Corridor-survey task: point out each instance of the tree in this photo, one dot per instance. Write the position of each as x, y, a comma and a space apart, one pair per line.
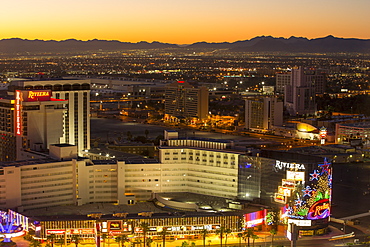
129, 135
51, 238
122, 239
149, 241
221, 232
248, 234
227, 233
163, 234
273, 232
240, 236
60, 241
104, 237
76, 239
144, 228
35, 243
254, 237
204, 233
146, 133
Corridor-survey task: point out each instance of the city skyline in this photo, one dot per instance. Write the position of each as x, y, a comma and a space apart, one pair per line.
183, 22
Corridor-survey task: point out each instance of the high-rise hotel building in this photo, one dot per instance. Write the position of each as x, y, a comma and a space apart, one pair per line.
185, 100
76, 119
30, 120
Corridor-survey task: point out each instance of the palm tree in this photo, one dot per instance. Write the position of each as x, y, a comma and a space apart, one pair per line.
149, 241
240, 236
51, 238
60, 241
104, 237
122, 239
144, 227
220, 231
273, 232
146, 133
204, 233
129, 135
164, 233
76, 239
227, 233
248, 234
254, 237
35, 243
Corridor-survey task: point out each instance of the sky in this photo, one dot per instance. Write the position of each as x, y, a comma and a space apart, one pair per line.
182, 22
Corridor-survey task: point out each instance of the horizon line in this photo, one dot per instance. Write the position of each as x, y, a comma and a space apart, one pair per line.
260, 36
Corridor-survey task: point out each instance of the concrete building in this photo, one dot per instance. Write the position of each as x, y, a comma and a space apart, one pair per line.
29, 120
359, 132
282, 79
262, 113
76, 121
300, 93
185, 100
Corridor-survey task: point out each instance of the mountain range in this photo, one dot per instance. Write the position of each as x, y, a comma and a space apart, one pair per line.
329, 44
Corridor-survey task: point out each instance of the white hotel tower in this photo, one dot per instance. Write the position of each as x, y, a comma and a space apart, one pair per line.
76, 124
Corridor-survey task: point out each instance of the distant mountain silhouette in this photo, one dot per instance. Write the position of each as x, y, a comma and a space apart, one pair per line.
257, 44
17, 45
292, 44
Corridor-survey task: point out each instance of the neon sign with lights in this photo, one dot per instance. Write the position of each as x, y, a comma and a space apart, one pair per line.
17, 112
319, 210
310, 199
36, 95
280, 165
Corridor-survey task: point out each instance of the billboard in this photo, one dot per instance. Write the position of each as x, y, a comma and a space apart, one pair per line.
310, 200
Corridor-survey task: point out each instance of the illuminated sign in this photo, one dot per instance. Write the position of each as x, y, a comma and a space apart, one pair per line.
284, 191
300, 222
37, 95
279, 198
70, 231
319, 210
288, 183
115, 225
281, 165
18, 112
253, 223
323, 132
296, 176
255, 218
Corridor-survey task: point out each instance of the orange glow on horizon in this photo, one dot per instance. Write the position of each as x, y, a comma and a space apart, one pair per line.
183, 22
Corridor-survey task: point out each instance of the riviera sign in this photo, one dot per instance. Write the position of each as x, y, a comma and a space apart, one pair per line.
281, 165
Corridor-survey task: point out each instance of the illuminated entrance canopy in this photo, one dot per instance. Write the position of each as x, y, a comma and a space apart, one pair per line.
281, 165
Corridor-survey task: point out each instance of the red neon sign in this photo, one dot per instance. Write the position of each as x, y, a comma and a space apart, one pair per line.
18, 112
37, 95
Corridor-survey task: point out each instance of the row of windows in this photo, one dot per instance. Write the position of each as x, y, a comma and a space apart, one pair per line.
47, 191
47, 180
47, 174
44, 197
27, 168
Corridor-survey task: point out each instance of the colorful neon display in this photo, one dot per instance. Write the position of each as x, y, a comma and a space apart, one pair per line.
255, 218
310, 199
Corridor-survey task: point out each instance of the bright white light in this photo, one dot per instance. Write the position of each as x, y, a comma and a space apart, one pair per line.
247, 194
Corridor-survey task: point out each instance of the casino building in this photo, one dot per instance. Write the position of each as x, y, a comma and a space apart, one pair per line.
29, 120
76, 115
299, 185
